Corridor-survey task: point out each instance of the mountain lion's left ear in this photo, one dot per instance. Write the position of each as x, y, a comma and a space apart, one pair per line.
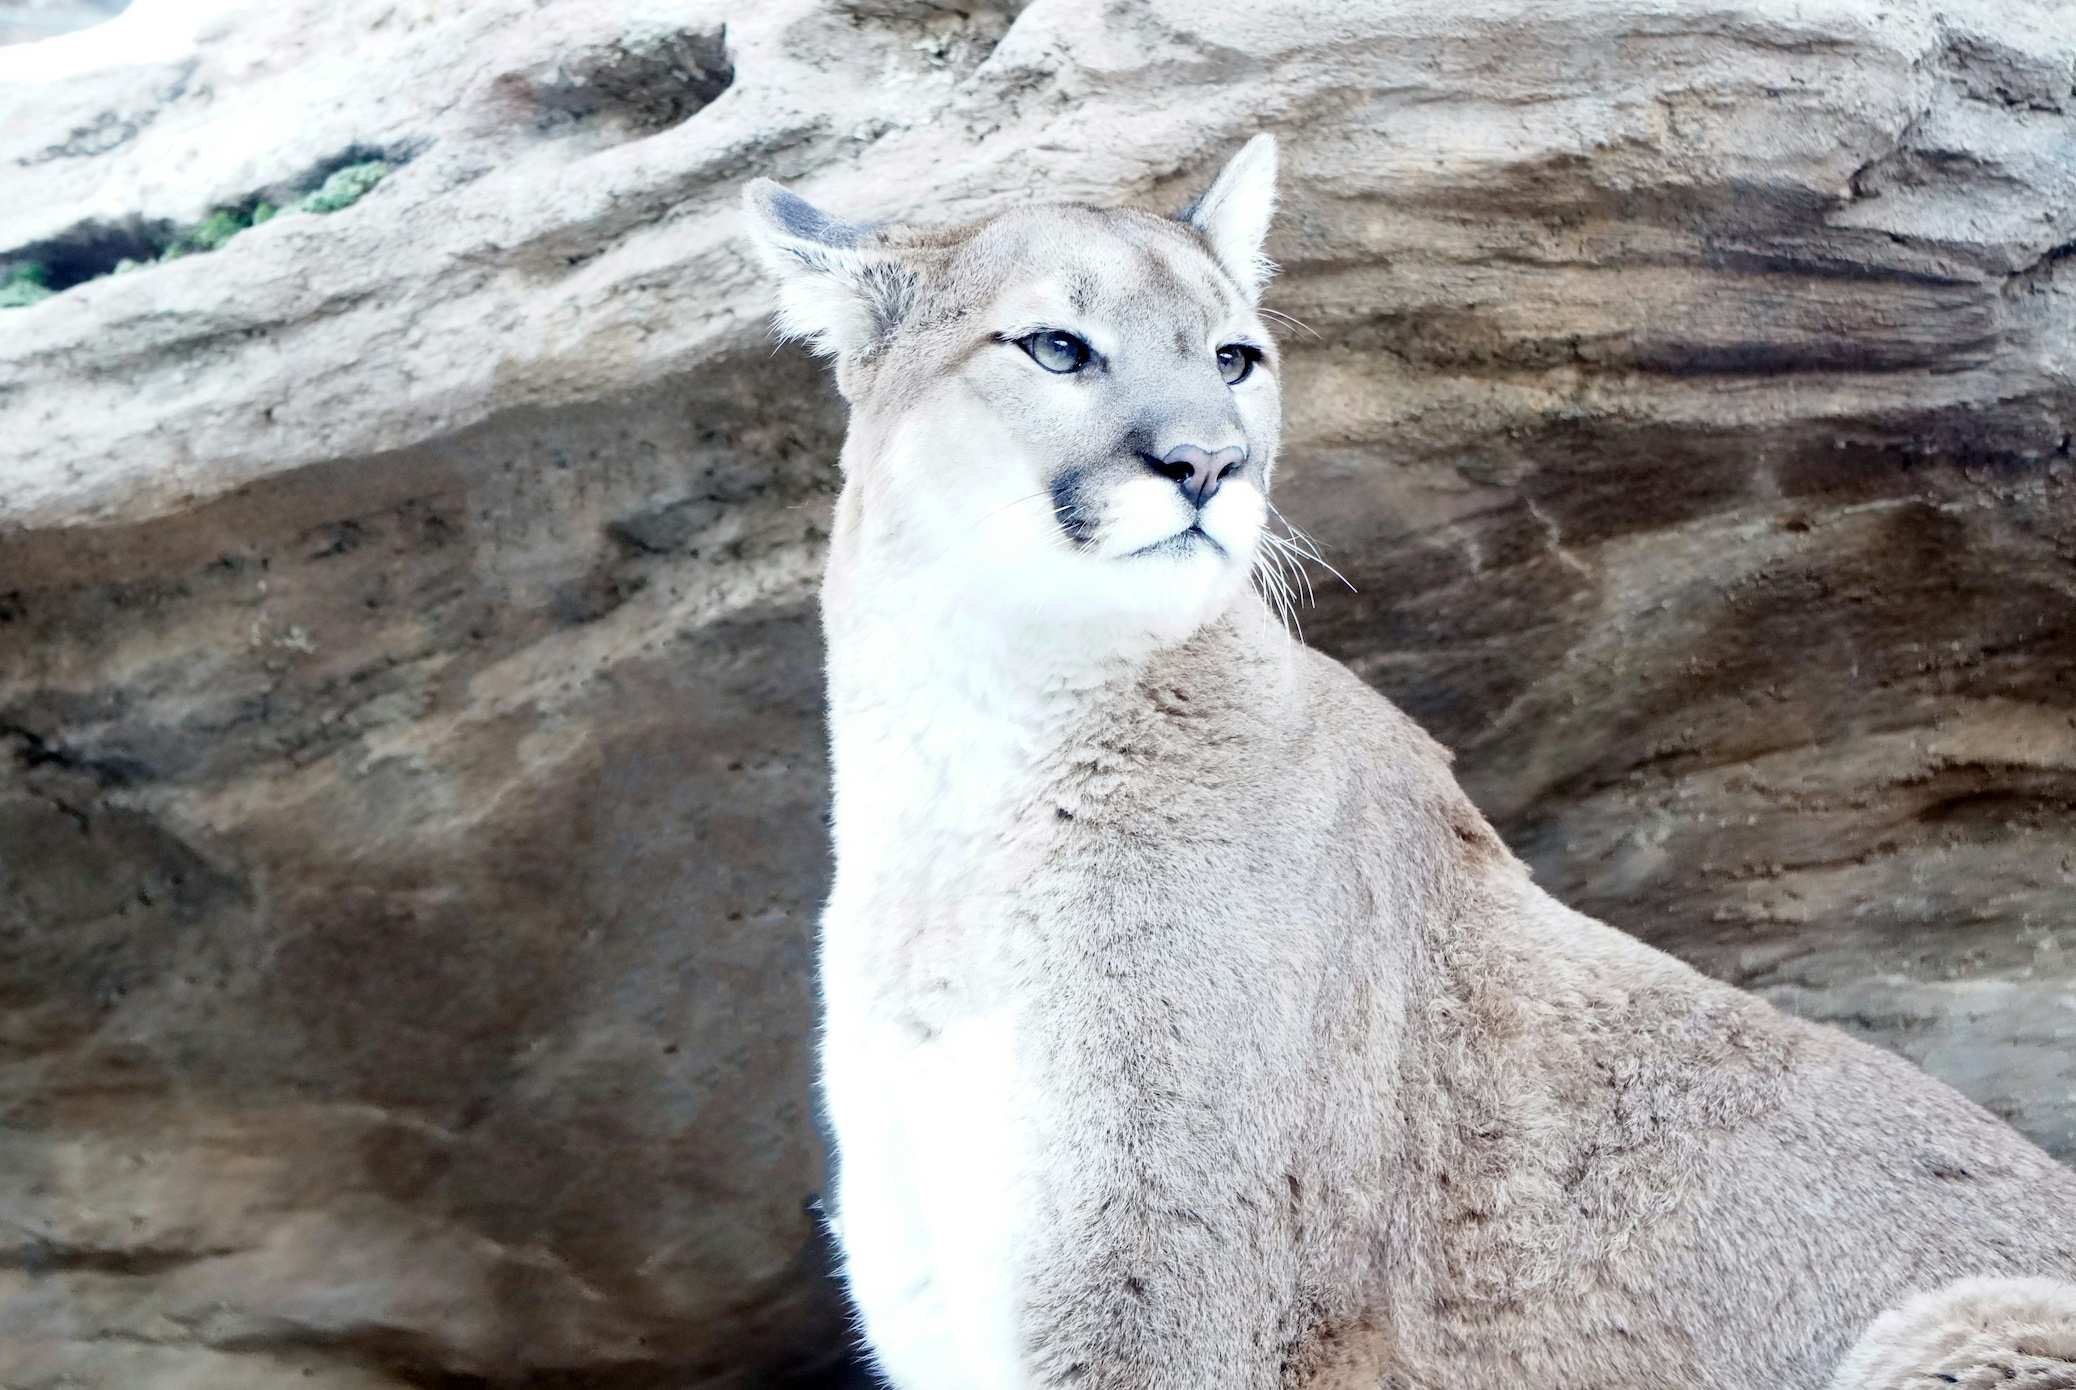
838, 288
1234, 212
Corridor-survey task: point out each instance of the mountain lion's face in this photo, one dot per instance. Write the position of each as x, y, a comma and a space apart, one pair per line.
1065, 412
1091, 426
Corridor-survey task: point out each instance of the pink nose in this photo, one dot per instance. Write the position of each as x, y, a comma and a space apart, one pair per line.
1198, 472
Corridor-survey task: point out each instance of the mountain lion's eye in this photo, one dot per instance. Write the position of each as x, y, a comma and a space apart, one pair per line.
1056, 351
1236, 360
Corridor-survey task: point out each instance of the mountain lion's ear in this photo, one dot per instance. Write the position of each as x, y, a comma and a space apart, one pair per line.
1234, 212
836, 290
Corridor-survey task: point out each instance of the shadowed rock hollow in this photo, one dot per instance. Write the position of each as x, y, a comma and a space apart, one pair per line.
410, 811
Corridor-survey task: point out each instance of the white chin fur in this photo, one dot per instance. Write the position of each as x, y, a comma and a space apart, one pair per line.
985, 529
1148, 577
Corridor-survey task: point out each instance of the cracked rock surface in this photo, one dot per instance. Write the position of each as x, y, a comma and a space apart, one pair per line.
411, 768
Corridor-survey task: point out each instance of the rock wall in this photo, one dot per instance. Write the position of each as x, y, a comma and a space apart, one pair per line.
410, 823
26, 21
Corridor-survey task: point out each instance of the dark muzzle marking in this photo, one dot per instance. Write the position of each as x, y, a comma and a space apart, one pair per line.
1069, 508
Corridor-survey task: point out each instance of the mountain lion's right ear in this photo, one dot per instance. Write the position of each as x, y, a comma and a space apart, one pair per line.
837, 291
1234, 212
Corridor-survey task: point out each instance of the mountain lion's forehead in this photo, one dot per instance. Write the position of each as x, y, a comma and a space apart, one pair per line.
1100, 263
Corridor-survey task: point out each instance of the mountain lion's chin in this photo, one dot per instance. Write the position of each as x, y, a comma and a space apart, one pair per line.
1188, 541
1170, 588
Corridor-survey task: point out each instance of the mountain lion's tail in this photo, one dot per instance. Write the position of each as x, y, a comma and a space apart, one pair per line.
2014, 1334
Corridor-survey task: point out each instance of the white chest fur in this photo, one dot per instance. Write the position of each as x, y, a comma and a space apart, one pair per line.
928, 1198
931, 1103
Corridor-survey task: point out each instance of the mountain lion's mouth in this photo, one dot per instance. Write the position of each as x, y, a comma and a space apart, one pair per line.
1181, 543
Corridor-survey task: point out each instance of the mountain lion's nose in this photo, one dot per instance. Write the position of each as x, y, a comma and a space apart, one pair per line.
1198, 472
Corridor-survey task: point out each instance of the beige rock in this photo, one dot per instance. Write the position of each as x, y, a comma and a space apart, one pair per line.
26, 21
411, 832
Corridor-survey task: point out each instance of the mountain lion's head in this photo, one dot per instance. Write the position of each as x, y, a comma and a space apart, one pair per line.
1067, 411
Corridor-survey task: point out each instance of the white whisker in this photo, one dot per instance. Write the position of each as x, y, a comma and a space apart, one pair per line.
1307, 548
1291, 588
1293, 322
1289, 555
1275, 590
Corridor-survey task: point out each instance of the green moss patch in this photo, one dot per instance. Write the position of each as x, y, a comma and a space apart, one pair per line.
24, 285
344, 188
212, 232
30, 279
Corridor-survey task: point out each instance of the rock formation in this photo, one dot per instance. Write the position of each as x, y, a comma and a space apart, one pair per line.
410, 810
25, 21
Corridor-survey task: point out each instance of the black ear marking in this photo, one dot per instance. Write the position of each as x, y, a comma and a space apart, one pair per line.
797, 217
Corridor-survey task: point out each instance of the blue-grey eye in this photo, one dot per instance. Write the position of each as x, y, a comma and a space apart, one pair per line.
1236, 361
1056, 351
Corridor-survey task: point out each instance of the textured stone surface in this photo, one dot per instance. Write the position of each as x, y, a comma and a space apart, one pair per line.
410, 827
26, 21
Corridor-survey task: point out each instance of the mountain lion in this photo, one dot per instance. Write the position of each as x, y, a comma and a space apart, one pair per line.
1186, 1026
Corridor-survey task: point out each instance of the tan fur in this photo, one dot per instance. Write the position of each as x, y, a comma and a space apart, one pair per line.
2014, 1334
1305, 1082
1536, 1151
